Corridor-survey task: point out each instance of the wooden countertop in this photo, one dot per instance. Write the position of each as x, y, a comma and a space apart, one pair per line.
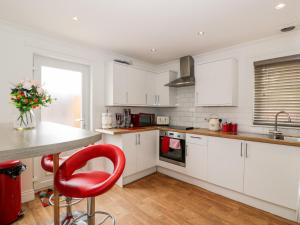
201, 131
47, 138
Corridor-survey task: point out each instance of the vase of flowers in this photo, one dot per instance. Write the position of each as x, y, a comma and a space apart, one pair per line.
26, 96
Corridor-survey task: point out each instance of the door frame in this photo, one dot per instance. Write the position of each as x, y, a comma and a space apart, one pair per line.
40, 60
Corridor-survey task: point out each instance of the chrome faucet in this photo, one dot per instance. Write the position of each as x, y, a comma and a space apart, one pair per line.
275, 133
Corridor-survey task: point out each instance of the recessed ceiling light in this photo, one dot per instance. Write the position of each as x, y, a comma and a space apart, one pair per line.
280, 6
75, 18
153, 50
200, 33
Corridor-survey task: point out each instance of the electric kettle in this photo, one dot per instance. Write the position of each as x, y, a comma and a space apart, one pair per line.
214, 124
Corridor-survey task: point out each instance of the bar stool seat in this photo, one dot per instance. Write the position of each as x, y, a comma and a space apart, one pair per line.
92, 183
47, 162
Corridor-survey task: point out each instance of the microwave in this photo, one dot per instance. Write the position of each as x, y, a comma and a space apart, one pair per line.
143, 119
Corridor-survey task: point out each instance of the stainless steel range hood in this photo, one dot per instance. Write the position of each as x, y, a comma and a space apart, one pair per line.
187, 77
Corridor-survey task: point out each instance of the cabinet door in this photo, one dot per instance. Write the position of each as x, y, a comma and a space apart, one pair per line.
120, 84
150, 88
225, 163
216, 83
147, 150
137, 86
165, 96
196, 161
162, 92
272, 173
129, 147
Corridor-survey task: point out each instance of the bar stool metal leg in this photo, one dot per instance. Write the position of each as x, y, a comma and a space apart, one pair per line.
91, 210
89, 217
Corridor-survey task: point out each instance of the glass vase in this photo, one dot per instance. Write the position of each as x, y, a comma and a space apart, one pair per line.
25, 120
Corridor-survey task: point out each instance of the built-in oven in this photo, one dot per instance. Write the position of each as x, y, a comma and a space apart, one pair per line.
172, 147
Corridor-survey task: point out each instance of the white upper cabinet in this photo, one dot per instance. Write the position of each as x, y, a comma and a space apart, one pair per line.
128, 85
136, 86
164, 96
272, 173
217, 83
116, 84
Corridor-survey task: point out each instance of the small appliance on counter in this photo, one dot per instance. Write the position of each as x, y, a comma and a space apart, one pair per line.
127, 118
162, 120
107, 120
214, 124
143, 119
230, 127
119, 120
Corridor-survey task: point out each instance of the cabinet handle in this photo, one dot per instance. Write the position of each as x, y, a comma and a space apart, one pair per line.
246, 150
155, 99
136, 139
196, 137
158, 99
186, 150
242, 149
139, 139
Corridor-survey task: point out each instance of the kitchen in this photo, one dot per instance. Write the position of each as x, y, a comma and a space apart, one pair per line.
229, 172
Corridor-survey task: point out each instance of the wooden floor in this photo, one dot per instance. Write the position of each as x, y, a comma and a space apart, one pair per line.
160, 200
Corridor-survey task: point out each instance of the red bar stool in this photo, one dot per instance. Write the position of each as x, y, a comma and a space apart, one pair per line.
47, 165
92, 183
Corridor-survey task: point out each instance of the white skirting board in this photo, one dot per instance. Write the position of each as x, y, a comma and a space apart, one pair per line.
129, 179
248, 200
27, 196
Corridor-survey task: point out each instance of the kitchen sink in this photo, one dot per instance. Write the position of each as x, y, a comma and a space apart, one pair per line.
294, 139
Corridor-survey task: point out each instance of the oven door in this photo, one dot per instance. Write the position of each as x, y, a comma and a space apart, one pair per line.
174, 156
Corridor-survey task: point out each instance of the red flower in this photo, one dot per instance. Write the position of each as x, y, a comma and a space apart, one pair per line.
35, 100
18, 97
26, 101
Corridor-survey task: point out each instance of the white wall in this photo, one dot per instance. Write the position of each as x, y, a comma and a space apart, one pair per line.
17, 47
188, 115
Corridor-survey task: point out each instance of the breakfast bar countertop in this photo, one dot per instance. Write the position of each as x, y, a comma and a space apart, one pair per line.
255, 137
46, 138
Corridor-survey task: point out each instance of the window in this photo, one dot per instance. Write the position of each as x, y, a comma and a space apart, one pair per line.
277, 88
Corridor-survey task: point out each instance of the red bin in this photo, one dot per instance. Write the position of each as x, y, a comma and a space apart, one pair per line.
10, 191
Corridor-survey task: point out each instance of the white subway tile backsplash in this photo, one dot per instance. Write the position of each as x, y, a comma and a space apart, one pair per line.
186, 114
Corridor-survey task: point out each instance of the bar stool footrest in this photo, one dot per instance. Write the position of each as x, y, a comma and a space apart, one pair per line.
82, 219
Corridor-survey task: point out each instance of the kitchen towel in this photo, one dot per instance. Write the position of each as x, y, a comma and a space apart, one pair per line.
175, 144
165, 143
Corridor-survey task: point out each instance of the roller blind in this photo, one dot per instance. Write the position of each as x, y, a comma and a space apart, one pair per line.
277, 88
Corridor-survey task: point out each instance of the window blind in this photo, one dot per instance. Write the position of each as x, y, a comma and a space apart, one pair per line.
277, 88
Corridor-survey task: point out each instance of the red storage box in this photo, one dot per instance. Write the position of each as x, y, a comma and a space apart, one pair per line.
10, 191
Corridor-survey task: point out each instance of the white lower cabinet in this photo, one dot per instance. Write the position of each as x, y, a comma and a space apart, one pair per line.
196, 156
146, 150
265, 171
272, 173
225, 165
140, 150
129, 143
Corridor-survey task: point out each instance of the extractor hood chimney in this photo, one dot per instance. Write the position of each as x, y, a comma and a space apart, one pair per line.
187, 77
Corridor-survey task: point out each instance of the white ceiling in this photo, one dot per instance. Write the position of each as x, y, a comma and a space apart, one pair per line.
133, 27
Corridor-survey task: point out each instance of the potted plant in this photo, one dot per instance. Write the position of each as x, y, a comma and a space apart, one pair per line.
27, 95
